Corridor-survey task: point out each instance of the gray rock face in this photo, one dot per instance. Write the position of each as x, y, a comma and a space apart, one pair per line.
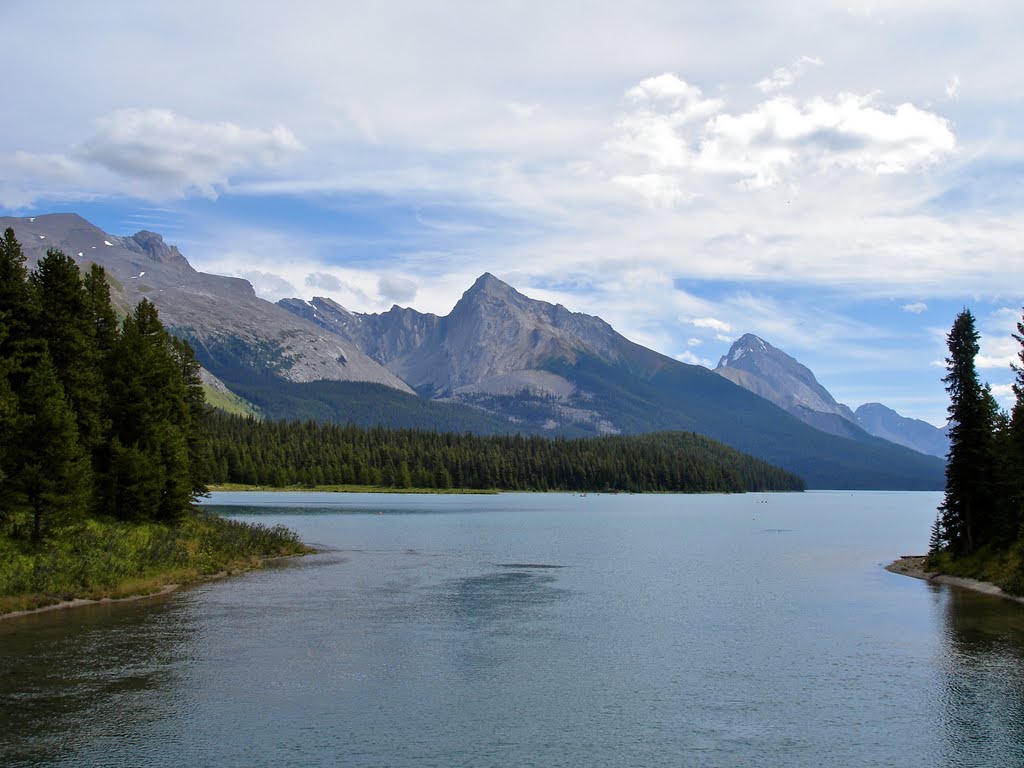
495, 340
878, 420
212, 311
756, 365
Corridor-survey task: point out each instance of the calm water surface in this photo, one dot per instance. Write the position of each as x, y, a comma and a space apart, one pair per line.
537, 630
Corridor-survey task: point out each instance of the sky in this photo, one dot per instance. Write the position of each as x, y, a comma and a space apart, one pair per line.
839, 178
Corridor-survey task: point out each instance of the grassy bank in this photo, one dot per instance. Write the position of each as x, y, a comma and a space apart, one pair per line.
1005, 568
105, 559
344, 489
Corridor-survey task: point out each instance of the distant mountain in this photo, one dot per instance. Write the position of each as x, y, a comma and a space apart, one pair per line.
549, 369
884, 422
757, 366
499, 362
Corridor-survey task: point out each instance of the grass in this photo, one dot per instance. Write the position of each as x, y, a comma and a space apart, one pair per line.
107, 559
1004, 568
344, 489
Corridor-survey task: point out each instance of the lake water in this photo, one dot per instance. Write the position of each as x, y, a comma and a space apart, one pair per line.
537, 630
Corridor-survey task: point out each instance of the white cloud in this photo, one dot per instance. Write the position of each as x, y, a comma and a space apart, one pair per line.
692, 359
915, 308
783, 77
395, 289
174, 155
953, 87
675, 129
323, 280
712, 323
692, 342
1004, 391
269, 285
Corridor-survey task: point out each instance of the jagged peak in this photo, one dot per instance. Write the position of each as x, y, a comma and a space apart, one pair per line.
331, 304
489, 284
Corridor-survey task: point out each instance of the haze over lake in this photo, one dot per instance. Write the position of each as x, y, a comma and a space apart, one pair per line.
537, 629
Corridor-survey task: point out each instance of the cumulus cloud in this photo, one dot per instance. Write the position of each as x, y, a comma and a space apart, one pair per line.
396, 289
916, 308
323, 280
692, 342
783, 77
269, 285
170, 151
713, 323
679, 132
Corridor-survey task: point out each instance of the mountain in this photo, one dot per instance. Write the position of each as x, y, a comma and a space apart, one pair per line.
499, 362
756, 365
552, 370
884, 422
222, 317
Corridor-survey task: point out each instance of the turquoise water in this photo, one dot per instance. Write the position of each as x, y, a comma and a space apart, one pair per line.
537, 630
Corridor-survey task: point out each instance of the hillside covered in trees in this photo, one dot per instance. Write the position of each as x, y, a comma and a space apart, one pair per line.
243, 450
979, 531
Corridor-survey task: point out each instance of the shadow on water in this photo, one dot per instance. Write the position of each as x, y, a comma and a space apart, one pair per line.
982, 685
52, 704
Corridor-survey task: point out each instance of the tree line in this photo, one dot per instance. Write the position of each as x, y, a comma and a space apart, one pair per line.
983, 506
308, 453
97, 417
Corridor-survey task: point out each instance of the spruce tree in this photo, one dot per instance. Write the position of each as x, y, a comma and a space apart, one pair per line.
50, 483
966, 508
150, 421
64, 319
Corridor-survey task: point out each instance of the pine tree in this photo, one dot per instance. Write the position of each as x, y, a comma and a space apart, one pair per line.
967, 504
150, 420
64, 319
51, 481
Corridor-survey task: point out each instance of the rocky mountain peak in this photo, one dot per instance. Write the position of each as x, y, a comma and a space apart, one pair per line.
752, 347
756, 365
153, 245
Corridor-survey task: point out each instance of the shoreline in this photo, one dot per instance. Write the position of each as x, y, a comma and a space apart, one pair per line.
913, 566
166, 589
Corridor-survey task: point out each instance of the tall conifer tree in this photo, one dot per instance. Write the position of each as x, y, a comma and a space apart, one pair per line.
966, 508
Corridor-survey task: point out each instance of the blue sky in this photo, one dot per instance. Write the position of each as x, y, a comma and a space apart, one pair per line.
840, 178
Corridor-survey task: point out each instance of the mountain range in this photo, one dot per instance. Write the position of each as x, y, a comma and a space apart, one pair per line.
498, 362
756, 365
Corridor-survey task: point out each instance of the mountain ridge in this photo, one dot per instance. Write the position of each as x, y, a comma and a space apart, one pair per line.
498, 358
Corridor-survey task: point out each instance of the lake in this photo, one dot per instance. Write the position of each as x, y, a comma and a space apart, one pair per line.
537, 630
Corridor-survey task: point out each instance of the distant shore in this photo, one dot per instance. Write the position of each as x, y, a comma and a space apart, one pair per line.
218, 487
913, 566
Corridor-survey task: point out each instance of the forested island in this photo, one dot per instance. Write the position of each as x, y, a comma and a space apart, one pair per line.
979, 530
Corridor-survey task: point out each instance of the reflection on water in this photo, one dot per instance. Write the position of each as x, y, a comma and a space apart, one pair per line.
85, 677
982, 683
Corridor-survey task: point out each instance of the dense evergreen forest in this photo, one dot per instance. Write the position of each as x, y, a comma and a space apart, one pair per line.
101, 445
247, 451
979, 530
97, 417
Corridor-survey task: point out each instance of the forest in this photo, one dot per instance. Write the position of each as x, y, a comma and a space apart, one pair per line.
101, 445
244, 450
979, 529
